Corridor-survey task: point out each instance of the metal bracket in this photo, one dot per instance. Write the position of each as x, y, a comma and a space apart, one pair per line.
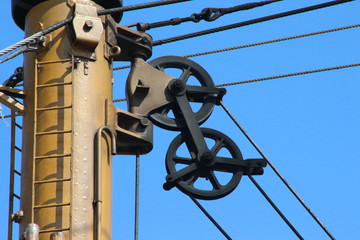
87, 30
145, 88
134, 134
133, 44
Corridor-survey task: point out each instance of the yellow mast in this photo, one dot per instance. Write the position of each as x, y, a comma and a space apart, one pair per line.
68, 85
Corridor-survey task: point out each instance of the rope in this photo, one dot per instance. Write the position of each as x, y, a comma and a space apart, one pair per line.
119, 100
265, 78
276, 171
249, 22
260, 43
272, 41
277, 76
121, 68
289, 75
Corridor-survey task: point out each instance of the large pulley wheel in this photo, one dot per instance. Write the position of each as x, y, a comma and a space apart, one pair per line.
188, 70
216, 177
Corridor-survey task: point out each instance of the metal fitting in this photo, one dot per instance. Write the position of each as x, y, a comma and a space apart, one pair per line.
57, 236
16, 217
32, 232
88, 25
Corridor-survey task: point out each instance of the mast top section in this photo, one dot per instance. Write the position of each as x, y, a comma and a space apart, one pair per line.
20, 9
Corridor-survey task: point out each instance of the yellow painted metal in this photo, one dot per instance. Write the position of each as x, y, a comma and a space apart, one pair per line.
69, 97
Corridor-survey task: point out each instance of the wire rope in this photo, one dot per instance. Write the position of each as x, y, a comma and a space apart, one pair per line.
249, 22
207, 14
277, 77
264, 78
260, 43
277, 171
137, 197
58, 25
275, 207
207, 214
289, 75
270, 41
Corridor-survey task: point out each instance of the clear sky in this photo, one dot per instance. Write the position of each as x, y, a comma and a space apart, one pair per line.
308, 126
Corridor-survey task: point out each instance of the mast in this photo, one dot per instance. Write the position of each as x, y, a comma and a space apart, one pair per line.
68, 125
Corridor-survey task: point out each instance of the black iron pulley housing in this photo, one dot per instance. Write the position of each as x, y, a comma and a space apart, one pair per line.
191, 74
20, 9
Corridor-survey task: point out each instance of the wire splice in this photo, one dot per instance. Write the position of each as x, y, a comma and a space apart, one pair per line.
207, 14
249, 22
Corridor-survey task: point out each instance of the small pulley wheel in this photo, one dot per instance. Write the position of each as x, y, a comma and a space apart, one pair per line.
213, 175
188, 70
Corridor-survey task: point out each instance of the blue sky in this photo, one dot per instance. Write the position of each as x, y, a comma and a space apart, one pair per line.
308, 126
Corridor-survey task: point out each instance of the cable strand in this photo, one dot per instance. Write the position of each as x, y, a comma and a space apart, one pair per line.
275, 207
207, 214
249, 22
277, 171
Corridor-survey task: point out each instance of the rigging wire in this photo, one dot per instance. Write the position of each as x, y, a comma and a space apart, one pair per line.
207, 14
277, 172
260, 43
275, 207
207, 214
249, 22
60, 24
137, 198
289, 75
261, 79
270, 41
277, 76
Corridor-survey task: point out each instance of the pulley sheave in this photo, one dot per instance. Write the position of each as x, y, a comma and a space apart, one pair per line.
187, 69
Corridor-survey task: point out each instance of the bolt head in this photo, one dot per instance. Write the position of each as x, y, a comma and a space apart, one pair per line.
88, 25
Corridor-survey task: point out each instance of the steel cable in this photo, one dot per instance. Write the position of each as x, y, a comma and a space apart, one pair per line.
260, 43
207, 214
56, 26
277, 77
270, 41
275, 207
277, 171
249, 22
137, 197
289, 75
207, 14
264, 78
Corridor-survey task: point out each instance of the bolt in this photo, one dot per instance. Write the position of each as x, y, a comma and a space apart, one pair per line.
144, 39
88, 25
208, 158
144, 122
177, 87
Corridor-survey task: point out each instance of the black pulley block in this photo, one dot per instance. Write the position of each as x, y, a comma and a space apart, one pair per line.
197, 85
